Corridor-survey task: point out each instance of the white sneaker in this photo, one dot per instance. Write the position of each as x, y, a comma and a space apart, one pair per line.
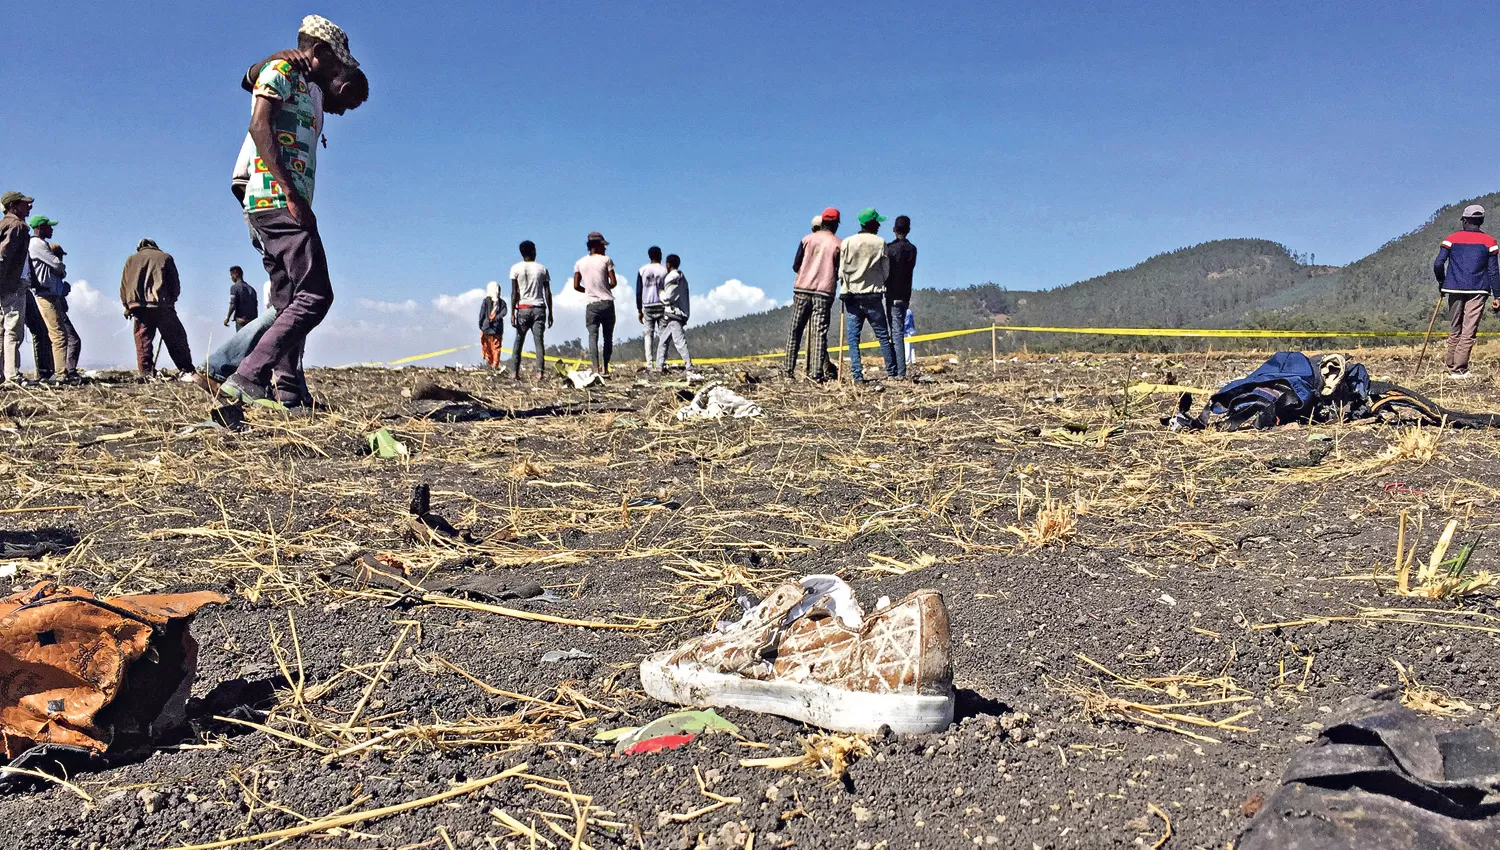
1461, 376
807, 652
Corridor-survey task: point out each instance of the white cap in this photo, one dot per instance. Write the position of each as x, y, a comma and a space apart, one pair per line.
1473, 211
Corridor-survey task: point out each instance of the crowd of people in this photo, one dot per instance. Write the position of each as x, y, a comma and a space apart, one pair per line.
662, 306
872, 277
273, 181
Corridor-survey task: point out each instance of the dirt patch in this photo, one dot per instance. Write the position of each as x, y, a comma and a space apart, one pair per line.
1114, 591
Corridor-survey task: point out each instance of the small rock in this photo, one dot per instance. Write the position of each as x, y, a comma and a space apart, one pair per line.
862, 814
150, 799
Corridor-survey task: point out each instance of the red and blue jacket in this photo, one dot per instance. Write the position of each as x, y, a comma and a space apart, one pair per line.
1468, 263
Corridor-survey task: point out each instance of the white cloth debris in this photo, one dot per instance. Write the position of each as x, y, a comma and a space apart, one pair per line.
715, 401
585, 377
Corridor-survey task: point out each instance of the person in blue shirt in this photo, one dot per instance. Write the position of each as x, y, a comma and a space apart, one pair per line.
1467, 272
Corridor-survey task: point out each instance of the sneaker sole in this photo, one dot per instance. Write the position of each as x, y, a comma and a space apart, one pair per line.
832, 708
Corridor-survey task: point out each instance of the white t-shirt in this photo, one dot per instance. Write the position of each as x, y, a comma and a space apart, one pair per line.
595, 269
651, 276
533, 280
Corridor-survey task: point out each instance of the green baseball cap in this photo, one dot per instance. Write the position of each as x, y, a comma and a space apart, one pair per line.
39, 220
868, 214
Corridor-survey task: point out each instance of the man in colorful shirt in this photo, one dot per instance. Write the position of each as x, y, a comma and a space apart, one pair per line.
285, 123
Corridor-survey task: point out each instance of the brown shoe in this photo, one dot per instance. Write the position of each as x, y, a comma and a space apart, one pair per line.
807, 652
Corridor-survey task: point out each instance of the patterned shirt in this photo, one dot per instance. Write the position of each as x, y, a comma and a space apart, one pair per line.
296, 127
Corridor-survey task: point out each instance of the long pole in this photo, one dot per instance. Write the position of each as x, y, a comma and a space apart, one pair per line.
994, 350
1416, 367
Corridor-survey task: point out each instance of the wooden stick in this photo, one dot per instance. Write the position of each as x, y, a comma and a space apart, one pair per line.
451, 602
41, 509
1416, 367
375, 681
325, 824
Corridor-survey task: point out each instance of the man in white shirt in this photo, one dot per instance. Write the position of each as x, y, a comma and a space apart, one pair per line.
649, 310
531, 306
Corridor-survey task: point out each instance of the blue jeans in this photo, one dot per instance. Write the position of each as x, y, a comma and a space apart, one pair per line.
861, 309
226, 358
895, 312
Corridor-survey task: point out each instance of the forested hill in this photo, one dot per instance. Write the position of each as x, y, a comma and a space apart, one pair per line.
1208, 285
1225, 283
1397, 279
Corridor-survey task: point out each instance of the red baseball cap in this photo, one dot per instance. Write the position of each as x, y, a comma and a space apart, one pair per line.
831, 212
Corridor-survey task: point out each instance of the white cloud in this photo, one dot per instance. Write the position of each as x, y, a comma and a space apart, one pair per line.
85, 298
728, 300
407, 306
464, 305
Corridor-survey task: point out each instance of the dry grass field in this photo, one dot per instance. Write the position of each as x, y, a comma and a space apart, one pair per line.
1145, 623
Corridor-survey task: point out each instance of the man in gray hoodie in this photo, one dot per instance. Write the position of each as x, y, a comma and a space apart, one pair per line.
675, 311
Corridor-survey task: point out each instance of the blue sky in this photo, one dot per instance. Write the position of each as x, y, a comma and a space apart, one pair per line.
1032, 144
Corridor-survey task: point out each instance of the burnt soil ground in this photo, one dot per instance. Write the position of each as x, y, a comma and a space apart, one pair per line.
1061, 522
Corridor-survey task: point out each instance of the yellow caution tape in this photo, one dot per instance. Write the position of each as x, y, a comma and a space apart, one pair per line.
1191, 333
415, 357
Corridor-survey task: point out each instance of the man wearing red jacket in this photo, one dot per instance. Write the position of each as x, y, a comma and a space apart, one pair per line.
1466, 269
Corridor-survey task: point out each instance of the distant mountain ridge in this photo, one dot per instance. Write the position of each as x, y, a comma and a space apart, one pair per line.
1226, 283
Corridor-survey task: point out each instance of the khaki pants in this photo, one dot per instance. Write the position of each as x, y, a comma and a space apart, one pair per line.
1464, 312
13, 326
65, 342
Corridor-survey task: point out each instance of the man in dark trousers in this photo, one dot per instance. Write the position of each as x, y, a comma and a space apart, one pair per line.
41, 337
1466, 270
244, 307
15, 243
901, 260
149, 287
286, 121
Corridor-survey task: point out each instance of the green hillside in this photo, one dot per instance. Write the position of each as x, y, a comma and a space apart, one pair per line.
1227, 283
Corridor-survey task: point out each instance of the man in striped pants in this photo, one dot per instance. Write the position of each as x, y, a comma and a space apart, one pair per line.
816, 266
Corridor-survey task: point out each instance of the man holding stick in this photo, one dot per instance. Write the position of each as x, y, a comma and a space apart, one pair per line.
1466, 270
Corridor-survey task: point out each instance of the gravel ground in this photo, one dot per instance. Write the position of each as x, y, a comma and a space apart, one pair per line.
1167, 563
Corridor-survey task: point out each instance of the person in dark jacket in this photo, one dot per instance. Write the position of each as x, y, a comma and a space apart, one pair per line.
15, 243
492, 324
244, 307
149, 287
901, 259
1466, 270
